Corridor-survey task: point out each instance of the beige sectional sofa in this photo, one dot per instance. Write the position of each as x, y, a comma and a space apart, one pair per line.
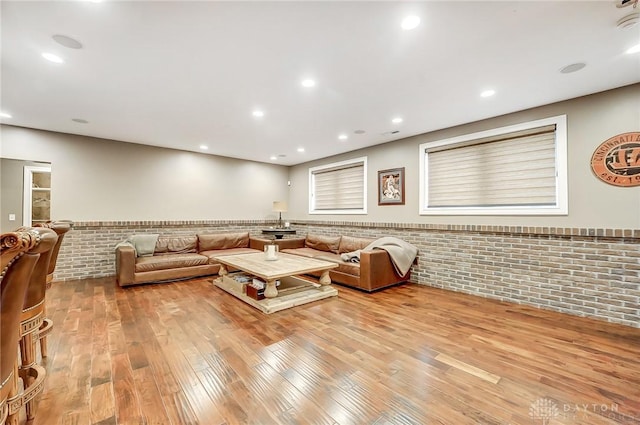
174, 257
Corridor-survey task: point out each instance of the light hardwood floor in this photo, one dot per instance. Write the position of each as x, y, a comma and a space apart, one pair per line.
188, 353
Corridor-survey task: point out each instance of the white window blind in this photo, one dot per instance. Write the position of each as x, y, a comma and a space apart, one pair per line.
338, 188
514, 169
519, 169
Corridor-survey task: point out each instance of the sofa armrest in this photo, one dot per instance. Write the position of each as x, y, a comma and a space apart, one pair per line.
377, 270
125, 264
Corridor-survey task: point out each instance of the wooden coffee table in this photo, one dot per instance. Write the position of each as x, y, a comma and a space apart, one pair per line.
295, 289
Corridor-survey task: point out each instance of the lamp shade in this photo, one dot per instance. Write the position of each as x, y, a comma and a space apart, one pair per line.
279, 206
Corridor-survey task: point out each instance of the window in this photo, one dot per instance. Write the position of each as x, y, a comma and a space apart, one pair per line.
520, 169
339, 188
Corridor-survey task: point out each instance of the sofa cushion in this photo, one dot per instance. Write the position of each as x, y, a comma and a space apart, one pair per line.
304, 252
212, 254
223, 241
328, 256
348, 268
322, 243
164, 262
350, 244
144, 244
176, 245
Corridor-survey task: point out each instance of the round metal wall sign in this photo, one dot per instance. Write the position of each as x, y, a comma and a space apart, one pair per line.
617, 160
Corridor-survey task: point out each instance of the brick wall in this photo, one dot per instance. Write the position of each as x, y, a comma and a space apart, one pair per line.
585, 272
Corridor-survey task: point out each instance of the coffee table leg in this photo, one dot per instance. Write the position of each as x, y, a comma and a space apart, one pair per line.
270, 290
324, 278
223, 270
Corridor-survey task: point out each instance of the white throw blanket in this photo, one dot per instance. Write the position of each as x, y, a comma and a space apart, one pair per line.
402, 253
144, 244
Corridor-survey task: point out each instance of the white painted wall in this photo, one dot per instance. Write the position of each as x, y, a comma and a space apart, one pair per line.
105, 180
592, 203
97, 179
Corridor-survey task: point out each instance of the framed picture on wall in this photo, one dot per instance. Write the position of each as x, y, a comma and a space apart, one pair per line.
391, 186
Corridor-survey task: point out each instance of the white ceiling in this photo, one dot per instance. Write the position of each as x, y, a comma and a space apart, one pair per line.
181, 74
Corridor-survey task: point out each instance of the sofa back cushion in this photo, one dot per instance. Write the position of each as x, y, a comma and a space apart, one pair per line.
176, 245
323, 243
223, 241
350, 244
144, 244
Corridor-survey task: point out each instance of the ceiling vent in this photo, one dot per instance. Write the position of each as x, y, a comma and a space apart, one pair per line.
629, 21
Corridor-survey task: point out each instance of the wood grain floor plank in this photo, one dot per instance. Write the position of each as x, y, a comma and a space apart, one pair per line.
465, 367
151, 404
102, 403
187, 353
217, 389
76, 418
127, 403
195, 394
178, 409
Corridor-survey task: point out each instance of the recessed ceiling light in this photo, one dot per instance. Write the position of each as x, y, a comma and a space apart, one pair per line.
80, 120
67, 41
397, 120
343, 137
273, 157
5, 115
488, 93
300, 150
258, 114
410, 22
634, 49
53, 58
573, 68
308, 83
204, 147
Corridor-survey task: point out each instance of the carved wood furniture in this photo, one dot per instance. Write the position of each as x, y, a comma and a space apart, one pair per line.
61, 228
18, 260
30, 321
286, 268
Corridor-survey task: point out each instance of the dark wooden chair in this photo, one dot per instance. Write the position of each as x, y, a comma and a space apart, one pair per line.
17, 262
61, 228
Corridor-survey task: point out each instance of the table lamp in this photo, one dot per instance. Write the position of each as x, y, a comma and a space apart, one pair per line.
279, 207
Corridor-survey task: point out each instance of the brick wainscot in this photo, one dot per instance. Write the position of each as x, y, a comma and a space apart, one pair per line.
584, 272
